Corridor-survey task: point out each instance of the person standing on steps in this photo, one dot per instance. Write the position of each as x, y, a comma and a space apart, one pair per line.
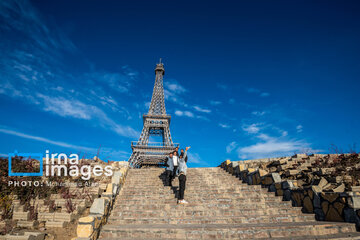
169, 170
182, 177
175, 163
177, 150
182, 154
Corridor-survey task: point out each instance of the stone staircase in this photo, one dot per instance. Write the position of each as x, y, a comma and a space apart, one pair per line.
220, 207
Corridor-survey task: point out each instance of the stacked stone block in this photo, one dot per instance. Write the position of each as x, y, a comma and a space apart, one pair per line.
88, 228
299, 179
47, 217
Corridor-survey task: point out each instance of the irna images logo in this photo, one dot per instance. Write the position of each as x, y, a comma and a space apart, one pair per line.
59, 165
37, 156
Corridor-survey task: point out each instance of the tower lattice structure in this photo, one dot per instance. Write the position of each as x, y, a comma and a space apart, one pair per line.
155, 123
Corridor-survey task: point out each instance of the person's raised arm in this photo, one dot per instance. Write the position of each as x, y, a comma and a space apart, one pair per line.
185, 153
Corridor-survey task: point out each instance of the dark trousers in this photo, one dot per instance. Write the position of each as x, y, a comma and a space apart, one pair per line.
169, 177
182, 183
174, 172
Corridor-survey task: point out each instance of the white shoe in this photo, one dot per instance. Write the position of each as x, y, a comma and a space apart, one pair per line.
183, 201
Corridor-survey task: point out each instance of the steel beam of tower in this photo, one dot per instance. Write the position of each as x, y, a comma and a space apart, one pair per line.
155, 123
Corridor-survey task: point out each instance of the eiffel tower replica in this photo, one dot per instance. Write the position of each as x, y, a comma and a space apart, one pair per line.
155, 123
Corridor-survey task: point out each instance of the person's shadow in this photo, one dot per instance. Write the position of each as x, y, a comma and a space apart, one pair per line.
165, 181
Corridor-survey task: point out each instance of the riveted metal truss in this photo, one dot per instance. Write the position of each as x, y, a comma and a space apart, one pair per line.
155, 123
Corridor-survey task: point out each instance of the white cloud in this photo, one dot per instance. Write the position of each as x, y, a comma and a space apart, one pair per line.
193, 157
231, 147
184, 113
190, 115
125, 131
21, 16
34, 71
76, 109
224, 125
110, 102
173, 92
265, 137
274, 147
271, 148
171, 96
215, 103
204, 110
253, 90
66, 108
131, 73
257, 91
258, 113
58, 88
116, 81
299, 128
113, 155
175, 87
222, 86
41, 139
147, 105
253, 128
202, 118
105, 153
231, 101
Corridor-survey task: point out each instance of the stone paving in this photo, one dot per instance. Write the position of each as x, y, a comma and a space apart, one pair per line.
220, 206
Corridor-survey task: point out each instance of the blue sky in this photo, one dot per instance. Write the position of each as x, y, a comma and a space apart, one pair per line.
243, 79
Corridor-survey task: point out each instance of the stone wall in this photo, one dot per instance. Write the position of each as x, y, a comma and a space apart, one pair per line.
62, 217
324, 185
88, 227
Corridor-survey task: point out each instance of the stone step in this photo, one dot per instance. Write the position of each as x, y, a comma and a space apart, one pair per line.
173, 200
240, 188
227, 231
21, 215
210, 178
189, 181
190, 188
220, 206
206, 213
195, 206
213, 220
234, 203
212, 191
245, 194
26, 224
162, 171
162, 188
56, 224
56, 216
202, 185
207, 207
